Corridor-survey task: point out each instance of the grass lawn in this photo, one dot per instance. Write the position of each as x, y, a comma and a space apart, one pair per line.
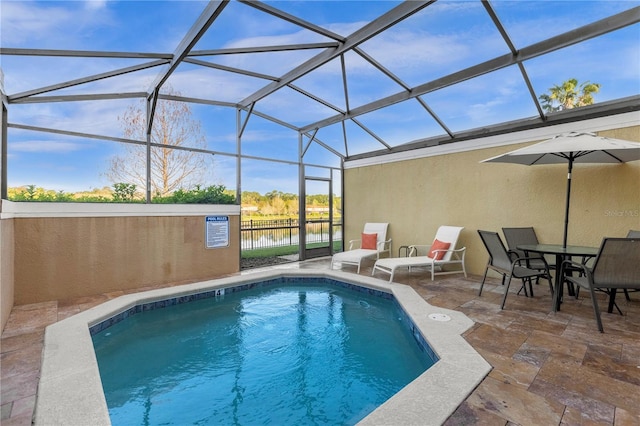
283, 251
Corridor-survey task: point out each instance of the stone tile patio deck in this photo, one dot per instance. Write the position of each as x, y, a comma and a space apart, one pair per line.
548, 368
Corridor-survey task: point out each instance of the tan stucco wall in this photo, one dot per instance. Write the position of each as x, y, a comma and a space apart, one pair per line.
65, 257
417, 195
6, 271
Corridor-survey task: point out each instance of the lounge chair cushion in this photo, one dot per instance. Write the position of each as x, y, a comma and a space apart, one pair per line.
369, 241
438, 245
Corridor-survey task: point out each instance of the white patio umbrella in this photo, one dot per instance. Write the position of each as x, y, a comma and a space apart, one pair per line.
573, 147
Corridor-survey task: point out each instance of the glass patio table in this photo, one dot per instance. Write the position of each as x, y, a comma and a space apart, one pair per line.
561, 253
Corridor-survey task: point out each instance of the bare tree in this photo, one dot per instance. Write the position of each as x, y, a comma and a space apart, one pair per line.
171, 168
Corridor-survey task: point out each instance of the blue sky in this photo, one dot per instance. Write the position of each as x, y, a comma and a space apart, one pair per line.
443, 38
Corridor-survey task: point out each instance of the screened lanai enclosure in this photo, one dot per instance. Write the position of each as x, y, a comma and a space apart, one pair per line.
278, 95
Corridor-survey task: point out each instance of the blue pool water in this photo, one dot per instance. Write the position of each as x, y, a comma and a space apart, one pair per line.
287, 354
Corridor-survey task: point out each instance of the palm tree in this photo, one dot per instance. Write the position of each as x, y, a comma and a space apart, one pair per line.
569, 94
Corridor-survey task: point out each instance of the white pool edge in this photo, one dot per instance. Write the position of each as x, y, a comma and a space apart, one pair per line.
70, 390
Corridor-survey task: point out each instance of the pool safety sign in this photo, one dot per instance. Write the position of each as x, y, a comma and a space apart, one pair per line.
217, 231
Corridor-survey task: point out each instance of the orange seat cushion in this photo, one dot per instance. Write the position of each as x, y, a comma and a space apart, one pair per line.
369, 241
438, 245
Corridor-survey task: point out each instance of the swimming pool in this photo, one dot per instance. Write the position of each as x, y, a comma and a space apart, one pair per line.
70, 390
301, 351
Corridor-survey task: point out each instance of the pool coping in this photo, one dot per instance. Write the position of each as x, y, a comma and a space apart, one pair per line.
70, 389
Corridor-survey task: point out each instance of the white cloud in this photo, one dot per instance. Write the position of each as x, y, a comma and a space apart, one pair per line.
94, 117
40, 146
213, 84
409, 49
28, 21
297, 37
95, 4
50, 25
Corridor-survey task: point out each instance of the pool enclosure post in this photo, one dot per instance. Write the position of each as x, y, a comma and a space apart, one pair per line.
302, 214
3, 164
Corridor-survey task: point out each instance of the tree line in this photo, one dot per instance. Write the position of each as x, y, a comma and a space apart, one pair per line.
124, 193
271, 203
278, 203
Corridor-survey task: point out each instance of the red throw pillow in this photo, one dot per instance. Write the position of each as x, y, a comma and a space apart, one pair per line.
438, 245
369, 241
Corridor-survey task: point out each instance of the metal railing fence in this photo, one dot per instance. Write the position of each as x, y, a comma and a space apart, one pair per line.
268, 233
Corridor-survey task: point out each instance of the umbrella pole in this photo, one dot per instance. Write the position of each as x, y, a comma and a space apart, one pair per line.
566, 210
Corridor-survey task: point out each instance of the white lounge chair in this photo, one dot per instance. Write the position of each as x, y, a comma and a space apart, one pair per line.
359, 251
440, 253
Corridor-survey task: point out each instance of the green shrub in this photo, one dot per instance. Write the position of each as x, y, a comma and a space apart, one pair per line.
124, 193
214, 194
